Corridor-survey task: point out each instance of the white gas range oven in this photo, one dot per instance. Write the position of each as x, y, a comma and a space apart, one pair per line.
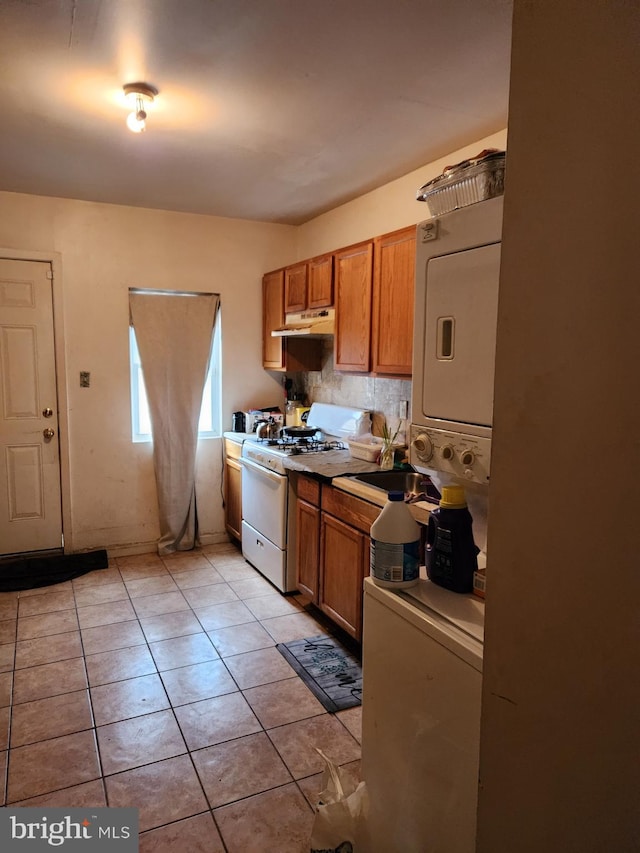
268, 516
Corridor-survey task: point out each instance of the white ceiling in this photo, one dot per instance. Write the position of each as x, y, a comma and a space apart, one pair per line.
273, 110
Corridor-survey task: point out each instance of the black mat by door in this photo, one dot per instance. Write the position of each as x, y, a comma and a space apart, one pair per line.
31, 572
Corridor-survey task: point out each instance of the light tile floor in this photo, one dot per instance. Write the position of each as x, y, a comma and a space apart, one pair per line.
156, 683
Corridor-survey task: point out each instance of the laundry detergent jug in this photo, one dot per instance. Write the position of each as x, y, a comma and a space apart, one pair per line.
451, 555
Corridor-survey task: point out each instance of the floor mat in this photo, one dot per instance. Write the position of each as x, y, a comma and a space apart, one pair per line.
32, 572
332, 673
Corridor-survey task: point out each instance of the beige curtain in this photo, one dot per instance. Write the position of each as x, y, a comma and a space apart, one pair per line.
174, 334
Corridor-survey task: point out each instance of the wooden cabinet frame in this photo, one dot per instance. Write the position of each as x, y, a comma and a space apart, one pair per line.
232, 489
307, 536
295, 288
394, 262
344, 556
320, 282
284, 354
372, 286
353, 287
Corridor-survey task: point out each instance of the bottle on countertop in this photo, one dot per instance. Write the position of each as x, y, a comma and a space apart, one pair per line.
291, 413
451, 555
294, 410
395, 545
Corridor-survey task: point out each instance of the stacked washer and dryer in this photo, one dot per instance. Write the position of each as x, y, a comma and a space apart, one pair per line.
423, 646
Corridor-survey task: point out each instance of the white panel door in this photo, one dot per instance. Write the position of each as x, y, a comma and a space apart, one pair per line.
30, 497
460, 335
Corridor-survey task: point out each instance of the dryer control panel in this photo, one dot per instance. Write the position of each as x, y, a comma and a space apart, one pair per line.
466, 457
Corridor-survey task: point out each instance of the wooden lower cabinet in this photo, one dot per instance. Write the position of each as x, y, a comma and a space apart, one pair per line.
344, 564
344, 556
308, 549
332, 549
307, 537
232, 490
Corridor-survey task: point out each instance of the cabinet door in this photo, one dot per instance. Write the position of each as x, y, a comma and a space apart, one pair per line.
272, 318
307, 549
353, 282
462, 293
295, 288
320, 282
393, 289
343, 558
233, 498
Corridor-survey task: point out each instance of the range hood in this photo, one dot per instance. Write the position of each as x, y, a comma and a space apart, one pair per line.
308, 323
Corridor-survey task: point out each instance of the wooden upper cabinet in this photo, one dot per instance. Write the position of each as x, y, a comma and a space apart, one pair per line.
393, 294
353, 284
272, 318
295, 288
309, 285
285, 354
320, 282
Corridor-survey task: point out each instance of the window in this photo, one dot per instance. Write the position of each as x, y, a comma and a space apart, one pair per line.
209, 424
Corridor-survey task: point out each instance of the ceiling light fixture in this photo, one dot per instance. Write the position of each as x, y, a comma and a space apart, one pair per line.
139, 95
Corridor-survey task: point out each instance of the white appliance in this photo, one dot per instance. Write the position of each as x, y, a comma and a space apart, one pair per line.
456, 306
422, 678
268, 516
308, 323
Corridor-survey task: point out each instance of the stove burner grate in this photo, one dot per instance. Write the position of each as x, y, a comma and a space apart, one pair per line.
295, 446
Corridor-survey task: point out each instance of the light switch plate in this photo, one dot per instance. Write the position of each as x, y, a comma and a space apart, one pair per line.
85, 379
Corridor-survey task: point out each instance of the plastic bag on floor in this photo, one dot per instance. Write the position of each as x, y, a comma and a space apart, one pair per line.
340, 824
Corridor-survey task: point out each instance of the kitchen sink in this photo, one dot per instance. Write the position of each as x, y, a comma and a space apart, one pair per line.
414, 485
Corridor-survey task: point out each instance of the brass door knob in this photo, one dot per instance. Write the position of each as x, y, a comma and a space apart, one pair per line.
48, 413
48, 433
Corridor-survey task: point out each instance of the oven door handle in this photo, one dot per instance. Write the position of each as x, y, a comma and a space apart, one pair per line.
261, 470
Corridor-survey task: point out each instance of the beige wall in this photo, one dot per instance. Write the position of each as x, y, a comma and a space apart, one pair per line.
382, 210
560, 766
104, 250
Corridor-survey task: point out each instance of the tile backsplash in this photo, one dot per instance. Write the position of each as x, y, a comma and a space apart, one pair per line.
383, 397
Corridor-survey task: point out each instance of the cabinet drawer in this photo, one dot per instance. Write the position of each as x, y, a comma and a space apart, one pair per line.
309, 490
232, 450
353, 511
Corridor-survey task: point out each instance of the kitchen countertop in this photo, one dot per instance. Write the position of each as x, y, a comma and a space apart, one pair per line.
238, 437
329, 464
336, 466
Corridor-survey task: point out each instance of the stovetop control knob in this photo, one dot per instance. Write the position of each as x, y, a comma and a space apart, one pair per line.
447, 452
423, 447
467, 457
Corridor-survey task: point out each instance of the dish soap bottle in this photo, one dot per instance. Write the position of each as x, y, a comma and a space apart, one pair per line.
395, 546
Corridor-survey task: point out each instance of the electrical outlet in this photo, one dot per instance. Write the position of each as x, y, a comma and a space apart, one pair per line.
403, 409
85, 379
